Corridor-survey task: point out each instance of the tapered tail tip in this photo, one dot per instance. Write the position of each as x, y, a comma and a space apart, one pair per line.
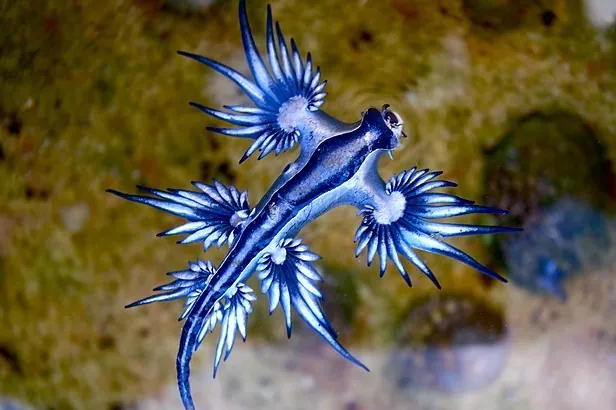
360, 364
114, 192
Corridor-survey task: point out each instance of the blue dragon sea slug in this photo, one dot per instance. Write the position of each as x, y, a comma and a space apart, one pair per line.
337, 165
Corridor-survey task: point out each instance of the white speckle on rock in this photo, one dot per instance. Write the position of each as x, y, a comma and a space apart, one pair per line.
307, 383
601, 13
74, 217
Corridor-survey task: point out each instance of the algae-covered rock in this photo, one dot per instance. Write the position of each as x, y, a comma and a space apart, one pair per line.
545, 157
451, 343
553, 174
567, 238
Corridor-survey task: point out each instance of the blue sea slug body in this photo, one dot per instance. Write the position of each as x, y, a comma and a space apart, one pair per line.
337, 165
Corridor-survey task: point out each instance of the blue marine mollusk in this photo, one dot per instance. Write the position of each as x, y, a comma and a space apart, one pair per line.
336, 165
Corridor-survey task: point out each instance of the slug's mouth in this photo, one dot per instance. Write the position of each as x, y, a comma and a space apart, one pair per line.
394, 122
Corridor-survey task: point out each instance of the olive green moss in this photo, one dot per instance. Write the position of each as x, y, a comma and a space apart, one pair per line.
93, 96
449, 318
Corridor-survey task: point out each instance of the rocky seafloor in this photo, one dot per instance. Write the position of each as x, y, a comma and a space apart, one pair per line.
514, 100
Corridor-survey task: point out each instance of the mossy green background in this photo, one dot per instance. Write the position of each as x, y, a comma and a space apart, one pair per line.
93, 96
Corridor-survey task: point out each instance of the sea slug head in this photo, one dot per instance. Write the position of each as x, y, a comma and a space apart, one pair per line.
383, 128
394, 121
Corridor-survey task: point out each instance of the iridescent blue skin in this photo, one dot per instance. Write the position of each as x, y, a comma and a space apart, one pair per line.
337, 165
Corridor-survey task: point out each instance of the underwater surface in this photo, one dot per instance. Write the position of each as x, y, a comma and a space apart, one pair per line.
514, 100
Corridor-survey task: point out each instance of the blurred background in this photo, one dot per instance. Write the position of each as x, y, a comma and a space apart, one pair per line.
515, 100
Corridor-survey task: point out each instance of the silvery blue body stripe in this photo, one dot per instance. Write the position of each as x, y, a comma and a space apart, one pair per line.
337, 165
